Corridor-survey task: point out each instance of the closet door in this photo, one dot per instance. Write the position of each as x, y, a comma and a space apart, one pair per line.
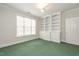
72, 30
55, 28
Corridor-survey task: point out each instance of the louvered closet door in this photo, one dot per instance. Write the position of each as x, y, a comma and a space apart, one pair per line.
55, 28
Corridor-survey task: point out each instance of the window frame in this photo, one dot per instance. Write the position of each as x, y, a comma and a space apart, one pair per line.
30, 26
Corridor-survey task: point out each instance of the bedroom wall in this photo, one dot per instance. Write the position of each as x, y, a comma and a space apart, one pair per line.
8, 26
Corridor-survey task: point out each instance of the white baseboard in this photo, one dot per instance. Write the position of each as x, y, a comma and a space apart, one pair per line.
13, 43
70, 43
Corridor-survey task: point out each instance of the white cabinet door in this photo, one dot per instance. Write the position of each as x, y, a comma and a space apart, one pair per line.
55, 37
45, 35
72, 30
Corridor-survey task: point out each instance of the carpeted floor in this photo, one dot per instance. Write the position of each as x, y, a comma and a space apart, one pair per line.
40, 48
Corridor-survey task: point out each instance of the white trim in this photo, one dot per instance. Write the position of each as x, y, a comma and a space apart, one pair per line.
70, 42
17, 42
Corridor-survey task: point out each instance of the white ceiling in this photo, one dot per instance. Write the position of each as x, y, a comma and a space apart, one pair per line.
51, 7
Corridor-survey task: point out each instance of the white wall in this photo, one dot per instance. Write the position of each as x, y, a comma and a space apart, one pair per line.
8, 26
65, 15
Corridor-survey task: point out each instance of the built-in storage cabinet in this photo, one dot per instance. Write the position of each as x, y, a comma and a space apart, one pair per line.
51, 27
47, 23
42, 25
55, 22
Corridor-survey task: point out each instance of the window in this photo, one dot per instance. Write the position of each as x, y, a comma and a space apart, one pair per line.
25, 26
19, 26
33, 27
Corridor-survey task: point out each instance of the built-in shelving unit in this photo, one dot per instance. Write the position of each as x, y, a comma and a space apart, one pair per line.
51, 27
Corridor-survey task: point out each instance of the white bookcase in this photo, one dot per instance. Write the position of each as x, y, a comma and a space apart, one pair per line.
51, 27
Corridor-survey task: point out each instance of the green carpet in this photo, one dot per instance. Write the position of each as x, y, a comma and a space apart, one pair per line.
40, 48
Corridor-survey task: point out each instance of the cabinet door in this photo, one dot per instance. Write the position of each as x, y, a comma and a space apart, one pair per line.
55, 36
45, 36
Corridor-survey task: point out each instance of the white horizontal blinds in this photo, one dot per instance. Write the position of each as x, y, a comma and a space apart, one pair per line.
33, 26
27, 28
19, 26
